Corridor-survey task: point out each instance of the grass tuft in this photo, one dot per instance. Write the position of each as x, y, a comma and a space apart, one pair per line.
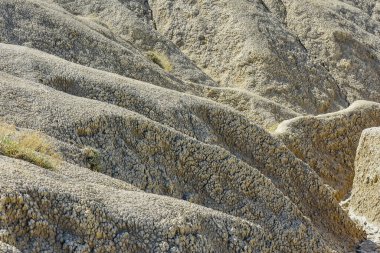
29, 146
93, 159
161, 60
272, 128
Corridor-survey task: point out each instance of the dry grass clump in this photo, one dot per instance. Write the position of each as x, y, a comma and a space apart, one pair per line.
93, 159
272, 128
161, 60
29, 146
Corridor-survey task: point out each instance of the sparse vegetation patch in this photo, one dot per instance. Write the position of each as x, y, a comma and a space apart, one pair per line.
272, 128
29, 146
92, 157
161, 60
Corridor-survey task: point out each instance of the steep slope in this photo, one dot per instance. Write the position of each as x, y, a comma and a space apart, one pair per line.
241, 44
365, 191
144, 98
344, 37
160, 160
50, 212
328, 142
109, 36
157, 111
363, 204
46, 26
130, 23
313, 56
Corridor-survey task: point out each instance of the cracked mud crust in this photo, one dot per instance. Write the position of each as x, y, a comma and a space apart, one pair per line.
190, 126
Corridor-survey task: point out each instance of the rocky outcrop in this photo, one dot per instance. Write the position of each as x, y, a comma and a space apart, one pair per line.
313, 56
343, 37
52, 212
365, 198
328, 142
6, 248
90, 40
147, 99
160, 160
242, 44
363, 204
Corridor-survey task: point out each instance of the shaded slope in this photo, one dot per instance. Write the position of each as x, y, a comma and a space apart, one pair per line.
130, 23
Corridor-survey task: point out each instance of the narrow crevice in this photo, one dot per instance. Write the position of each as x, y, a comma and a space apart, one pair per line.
151, 15
265, 6
301, 44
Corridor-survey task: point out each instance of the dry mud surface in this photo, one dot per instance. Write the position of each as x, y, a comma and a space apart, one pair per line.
189, 126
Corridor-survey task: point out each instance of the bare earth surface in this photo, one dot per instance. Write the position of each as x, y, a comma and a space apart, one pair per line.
189, 126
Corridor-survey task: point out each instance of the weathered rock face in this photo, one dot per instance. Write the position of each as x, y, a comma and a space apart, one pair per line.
167, 101
50, 212
242, 44
276, 47
6, 248
90, 39
85, 36
365, 190
328, 142
159, 160
174, 109
342, 36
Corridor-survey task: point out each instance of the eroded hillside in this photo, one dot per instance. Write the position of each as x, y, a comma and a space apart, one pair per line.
186, 126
